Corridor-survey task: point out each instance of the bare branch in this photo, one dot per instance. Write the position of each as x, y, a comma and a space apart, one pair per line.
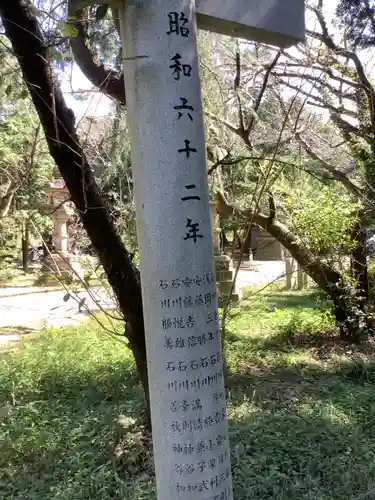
318, 79
350, 55
266, 78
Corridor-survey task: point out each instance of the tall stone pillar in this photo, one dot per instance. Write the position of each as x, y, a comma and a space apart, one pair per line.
189, 421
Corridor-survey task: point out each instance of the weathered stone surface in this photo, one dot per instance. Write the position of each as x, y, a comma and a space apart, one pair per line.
57, 267
223, 263
224, 275
188, 413
234, 299
264, 246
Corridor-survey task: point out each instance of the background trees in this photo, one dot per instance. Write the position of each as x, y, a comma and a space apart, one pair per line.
289, 141
25, 165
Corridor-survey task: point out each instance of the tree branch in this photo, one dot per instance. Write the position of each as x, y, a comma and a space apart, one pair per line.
316, 79
352, 56
110, 82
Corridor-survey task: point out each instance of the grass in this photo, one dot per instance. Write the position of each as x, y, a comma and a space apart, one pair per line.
301, 408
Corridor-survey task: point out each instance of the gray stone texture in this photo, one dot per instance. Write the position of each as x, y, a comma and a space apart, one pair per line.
190, 436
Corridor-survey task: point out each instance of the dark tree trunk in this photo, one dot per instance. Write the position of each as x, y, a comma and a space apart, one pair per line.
25, 247
109, 82
57, 119
246, 245
224, 240
358, 261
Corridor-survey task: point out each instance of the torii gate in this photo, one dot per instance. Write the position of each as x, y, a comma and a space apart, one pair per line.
189, 421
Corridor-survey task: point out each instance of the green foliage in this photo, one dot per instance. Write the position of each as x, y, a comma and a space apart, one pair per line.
107, 146
62, 397
8, 248
299, 410
371, 277
25, 164
67, 29
323, 217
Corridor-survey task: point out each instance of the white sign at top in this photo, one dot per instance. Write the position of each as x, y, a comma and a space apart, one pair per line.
274, 22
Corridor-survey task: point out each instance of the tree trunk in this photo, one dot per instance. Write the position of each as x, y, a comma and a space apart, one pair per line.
57, 119
7, 198
246, 245
110, 82
346, 310
25, 247
224, 239
358, 261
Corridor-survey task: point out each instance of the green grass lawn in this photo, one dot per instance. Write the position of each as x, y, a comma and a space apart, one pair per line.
301, 408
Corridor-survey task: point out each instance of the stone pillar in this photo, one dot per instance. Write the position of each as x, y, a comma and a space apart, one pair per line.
295, 277
189, 422
223, 263
60, 233
305, 280
300, 280
59, 264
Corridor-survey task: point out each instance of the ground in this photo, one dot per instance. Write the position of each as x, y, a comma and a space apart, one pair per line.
25, 308
301, 410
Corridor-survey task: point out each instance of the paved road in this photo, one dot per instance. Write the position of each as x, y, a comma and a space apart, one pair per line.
34, 308
259, 272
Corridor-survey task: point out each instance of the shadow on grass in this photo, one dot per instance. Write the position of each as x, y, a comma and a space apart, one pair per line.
291, 455
276, 298
287, 338
295, 300
302, 431
61, 397
284, 321
63, 438
310, 378
297, 433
